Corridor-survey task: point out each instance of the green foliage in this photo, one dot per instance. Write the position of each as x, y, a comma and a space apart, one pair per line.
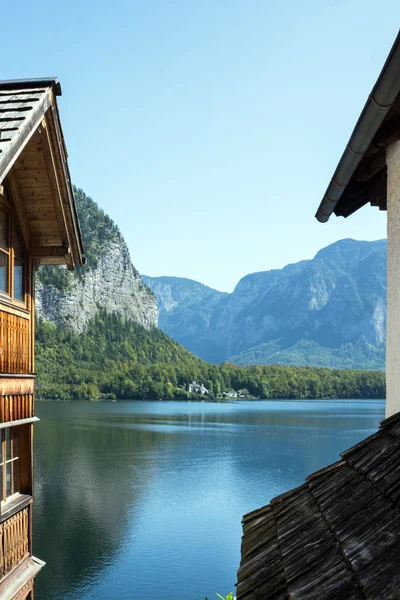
230, 596
98, 230
356, 355
115, 358
56, 277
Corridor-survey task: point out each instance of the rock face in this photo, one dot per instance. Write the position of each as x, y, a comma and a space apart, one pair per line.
185, 308
328, 311
108, 281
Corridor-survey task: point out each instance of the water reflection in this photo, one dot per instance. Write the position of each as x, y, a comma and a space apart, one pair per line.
144, 499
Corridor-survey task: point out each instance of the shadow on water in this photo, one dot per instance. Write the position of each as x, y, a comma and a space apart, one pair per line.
87, 479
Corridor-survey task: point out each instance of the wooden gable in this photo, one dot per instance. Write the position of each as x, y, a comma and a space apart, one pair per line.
34, 171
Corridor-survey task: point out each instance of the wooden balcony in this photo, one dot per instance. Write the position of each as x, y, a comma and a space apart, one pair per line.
15, 356
15, 407
16, 397
14, 541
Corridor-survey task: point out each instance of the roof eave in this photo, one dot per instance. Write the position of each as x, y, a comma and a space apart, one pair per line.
29, 84
375, 110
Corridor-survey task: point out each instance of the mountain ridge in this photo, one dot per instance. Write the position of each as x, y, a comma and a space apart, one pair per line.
335, 302
97, 337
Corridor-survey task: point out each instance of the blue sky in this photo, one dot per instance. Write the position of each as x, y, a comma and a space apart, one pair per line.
209, 130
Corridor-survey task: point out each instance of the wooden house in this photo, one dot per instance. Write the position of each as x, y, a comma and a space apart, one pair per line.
338, 535
38, 225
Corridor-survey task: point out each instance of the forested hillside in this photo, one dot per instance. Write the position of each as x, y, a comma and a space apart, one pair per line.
114, 358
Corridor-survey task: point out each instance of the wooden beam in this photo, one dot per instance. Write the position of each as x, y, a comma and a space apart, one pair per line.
11, 385
54, 183
54, 260
77, 243
19, 208
370, 165
49, 251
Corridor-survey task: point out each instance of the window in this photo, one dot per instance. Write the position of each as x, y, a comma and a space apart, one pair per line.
12, 257
18, 265
9, 463
4, 251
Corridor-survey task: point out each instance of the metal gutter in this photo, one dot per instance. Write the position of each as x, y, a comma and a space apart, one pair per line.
375, 110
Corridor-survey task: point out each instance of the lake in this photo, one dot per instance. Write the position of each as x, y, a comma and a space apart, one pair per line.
144, 500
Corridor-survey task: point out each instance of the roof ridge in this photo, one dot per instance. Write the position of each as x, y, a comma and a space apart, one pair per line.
390, 420
393, 503
363, 442
26, 84
285, 495
325, 470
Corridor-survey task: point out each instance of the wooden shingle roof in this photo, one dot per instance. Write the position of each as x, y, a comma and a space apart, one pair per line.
335, 536
34, 170
22, 106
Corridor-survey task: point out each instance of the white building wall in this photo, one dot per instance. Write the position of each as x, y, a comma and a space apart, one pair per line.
393, 281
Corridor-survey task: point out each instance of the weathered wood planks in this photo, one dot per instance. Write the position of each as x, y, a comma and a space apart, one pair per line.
336, 536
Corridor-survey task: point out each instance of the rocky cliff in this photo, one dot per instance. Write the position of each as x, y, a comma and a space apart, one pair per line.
328, 311
108, 281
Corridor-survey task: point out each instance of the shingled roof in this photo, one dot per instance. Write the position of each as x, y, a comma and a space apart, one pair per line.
335, 536
22, 106
34, 168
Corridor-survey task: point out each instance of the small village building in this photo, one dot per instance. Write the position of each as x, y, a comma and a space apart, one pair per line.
197, 388
38, 225
338, 535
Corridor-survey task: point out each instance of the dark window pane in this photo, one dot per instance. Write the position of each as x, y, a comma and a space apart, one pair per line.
3, 272
4, 230
17, 242
15, 444
8, 480
8, 443
18, 279
15, 483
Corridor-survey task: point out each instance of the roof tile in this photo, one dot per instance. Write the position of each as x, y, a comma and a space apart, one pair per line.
336, 536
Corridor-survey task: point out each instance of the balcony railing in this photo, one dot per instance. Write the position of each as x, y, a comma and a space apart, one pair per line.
14, 541
14, 344
16, 406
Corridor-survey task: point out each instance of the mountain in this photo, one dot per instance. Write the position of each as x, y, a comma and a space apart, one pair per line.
97, 335
96, 329
108, 281
328, 311
185, 307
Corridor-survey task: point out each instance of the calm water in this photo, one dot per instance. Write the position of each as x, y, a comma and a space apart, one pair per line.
143, 500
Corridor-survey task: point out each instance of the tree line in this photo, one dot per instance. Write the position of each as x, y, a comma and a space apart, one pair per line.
115, 358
